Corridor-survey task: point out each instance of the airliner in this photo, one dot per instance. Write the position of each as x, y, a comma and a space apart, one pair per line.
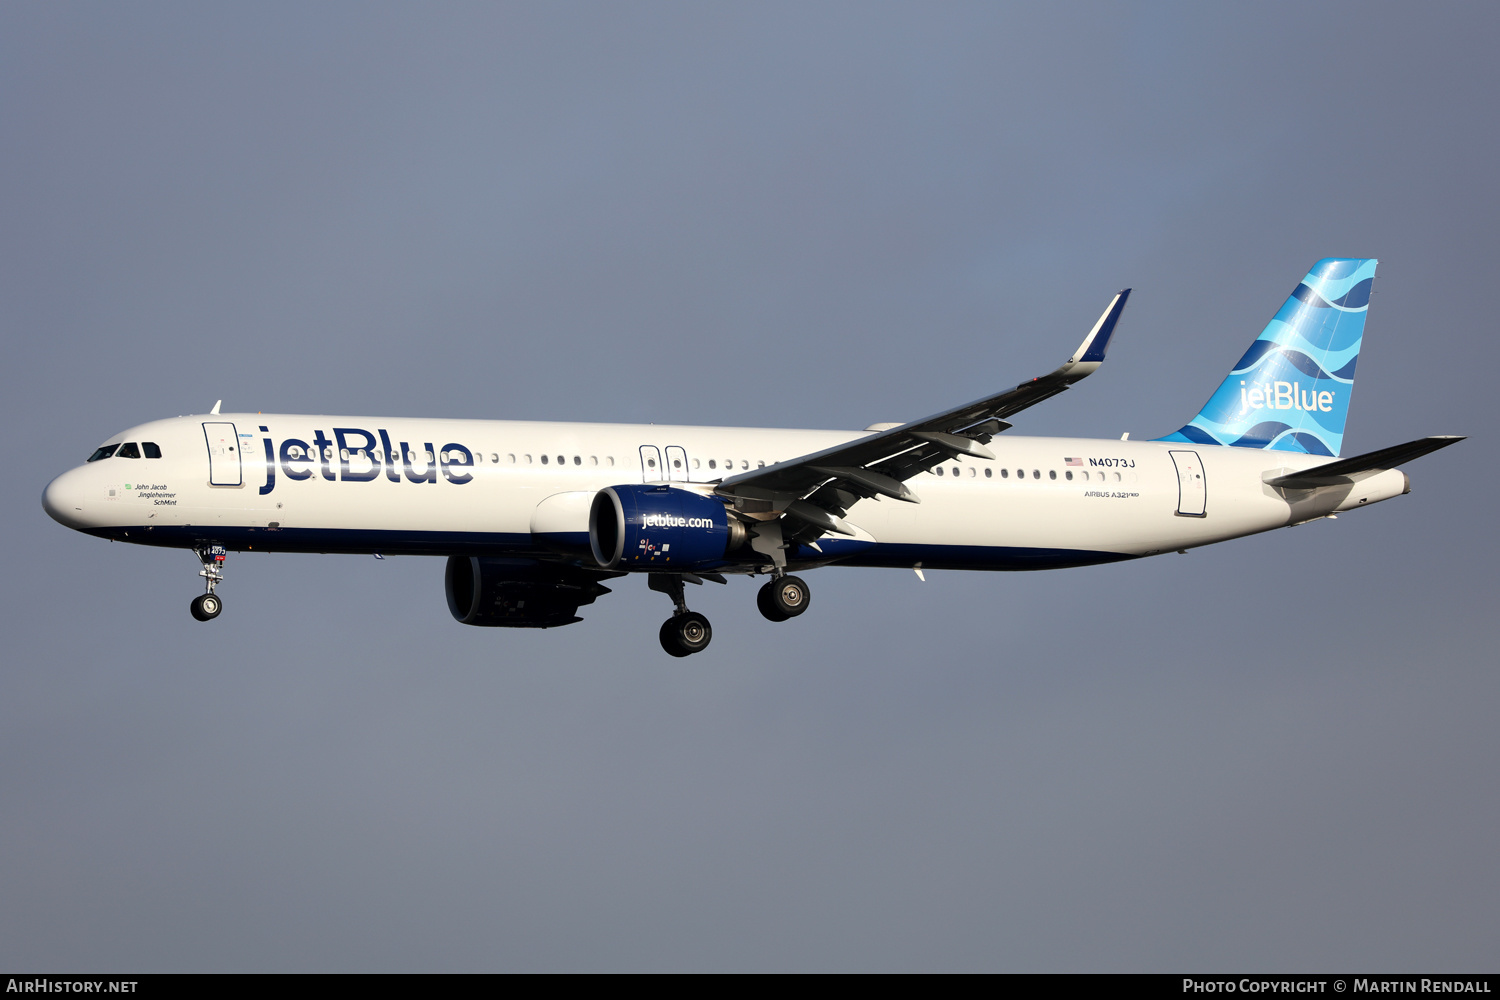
534, 518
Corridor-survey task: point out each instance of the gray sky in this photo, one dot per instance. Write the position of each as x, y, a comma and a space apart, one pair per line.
1277, 753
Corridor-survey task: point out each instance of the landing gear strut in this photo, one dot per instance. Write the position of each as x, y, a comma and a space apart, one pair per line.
686, 632
206, 606
782, 598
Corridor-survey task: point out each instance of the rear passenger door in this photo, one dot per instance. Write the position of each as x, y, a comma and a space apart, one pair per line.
1192, 488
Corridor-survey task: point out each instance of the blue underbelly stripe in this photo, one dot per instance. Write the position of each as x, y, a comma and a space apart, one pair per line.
361, 541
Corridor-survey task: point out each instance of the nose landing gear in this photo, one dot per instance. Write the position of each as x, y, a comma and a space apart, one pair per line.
686, 632
783, 598
206, 606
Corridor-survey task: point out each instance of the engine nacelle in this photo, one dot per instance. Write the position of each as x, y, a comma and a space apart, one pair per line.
518, 593
662, 528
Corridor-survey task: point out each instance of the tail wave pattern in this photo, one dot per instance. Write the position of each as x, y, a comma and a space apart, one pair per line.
1290, 392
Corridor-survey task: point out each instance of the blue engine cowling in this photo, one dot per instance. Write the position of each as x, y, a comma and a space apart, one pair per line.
661, 528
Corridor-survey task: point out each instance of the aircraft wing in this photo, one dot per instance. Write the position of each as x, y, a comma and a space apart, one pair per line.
817, 489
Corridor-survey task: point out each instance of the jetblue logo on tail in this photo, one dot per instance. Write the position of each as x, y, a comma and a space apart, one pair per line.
1285, 396
1300, 368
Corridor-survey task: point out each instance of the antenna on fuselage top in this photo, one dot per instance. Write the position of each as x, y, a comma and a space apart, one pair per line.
215, 410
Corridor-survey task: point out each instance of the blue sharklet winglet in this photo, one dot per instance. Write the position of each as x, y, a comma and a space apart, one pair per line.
1097, 342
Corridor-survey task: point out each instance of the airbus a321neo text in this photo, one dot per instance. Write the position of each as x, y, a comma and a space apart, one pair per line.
535, 517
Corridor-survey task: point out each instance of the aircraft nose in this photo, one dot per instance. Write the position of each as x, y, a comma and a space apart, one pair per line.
63, 499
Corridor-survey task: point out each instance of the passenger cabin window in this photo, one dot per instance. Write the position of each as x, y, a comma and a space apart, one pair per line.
150, 449
1069, 474
989, 473
577, 459
128, 451
1051, 473
544, 459
104, 452
1036, 473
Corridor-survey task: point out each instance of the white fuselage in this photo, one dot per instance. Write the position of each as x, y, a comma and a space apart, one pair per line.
364, 484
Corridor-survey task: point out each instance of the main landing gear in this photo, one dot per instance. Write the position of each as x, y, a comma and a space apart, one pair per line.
686, 632
206, 606
782, 598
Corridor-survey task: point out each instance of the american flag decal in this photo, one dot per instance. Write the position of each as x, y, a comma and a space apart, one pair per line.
1072, 461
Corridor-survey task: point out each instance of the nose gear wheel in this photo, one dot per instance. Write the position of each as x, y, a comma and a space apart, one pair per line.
206, 607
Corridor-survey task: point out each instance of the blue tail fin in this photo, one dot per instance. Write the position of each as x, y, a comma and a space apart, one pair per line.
1290, 392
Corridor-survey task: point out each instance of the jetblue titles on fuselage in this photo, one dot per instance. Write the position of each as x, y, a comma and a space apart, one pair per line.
362, 457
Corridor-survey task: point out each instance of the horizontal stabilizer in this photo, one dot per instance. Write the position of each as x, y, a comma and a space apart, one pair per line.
1347, 470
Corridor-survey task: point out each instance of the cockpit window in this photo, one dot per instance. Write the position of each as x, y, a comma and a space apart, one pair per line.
151, 450
128, 450
104, 452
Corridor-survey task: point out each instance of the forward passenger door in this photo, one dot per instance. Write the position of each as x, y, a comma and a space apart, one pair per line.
223, 454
